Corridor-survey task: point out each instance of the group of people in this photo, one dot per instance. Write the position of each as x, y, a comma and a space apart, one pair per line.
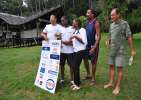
80, 43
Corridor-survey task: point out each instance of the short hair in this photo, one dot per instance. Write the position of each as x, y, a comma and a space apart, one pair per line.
93, 12
65, 17
78, 21
53, 15
117, 10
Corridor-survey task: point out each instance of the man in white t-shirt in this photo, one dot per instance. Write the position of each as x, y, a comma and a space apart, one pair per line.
66, 49
49, 32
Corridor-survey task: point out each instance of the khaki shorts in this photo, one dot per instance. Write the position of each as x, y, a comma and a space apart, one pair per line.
118, 60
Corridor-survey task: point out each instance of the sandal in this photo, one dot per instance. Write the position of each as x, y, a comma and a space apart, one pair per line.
92, 83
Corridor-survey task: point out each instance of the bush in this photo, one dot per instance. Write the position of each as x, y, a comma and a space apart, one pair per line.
134, 20
71, 16
83, 20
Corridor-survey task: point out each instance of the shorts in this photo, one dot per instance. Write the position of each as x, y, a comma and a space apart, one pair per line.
118, 60
93, 57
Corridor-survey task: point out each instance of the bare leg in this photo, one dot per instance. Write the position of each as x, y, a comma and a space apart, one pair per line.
93, 74
86, 64
111, 76
118, 82
93, 71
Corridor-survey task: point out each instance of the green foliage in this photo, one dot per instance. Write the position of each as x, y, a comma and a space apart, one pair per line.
78, 8
71, 16
104, 17
83, 20
11, 6
134, 20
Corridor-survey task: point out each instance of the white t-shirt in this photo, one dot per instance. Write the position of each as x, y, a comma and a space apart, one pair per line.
77, 45
50, 30
67, 33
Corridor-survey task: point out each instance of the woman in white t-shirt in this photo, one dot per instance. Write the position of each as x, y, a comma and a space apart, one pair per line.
49, 32
79, 41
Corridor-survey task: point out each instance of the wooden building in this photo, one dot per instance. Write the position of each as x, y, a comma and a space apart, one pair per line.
22, 31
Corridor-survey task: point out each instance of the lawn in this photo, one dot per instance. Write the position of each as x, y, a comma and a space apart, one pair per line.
18, 68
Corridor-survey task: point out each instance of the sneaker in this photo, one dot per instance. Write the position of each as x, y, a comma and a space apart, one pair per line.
72, 86
72, 82
76, 88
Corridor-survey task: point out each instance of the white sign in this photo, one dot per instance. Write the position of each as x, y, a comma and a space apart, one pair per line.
49, 66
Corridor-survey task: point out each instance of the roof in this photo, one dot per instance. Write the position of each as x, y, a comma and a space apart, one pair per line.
19, 20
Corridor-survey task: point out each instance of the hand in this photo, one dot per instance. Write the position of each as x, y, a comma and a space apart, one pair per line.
133, 52
74, 36
107, 43
92, 50
46, 39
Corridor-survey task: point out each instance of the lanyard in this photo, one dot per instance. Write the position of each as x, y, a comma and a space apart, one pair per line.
77, 32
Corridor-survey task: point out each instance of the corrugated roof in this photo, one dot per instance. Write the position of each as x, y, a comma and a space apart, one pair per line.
19, 20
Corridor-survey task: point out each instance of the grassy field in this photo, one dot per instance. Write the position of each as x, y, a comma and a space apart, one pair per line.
18, 68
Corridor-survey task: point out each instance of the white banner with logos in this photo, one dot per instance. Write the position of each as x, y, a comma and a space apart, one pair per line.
49, 66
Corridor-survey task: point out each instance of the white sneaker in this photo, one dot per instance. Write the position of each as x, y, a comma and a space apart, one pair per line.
76, 88
72, 82
72, 86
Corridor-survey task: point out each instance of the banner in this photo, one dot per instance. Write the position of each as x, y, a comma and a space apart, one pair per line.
49, 66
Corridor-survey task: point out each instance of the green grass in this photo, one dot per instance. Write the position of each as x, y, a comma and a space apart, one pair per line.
18, 68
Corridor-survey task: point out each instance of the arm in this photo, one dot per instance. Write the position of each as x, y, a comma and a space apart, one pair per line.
130, 43
108, 40
130, 40
44, 35
67, 42
98, 36
78, 38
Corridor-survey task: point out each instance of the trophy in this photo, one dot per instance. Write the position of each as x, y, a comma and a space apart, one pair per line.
58, 35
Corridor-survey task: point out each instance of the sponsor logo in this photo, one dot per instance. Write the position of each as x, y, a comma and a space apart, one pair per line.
46, 48
45, 56
43, 64
42, 70
40, 82
56, 57
52, 72
55, 50
41, 75
55, 44
50, 84
56, 65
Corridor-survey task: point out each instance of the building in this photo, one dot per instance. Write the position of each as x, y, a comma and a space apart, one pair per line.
20, 31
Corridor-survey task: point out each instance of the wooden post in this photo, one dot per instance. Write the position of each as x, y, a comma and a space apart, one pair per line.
7, 44
37, 27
